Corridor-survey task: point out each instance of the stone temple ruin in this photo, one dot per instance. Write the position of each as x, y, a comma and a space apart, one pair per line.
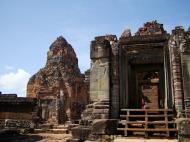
137, 85
60, 88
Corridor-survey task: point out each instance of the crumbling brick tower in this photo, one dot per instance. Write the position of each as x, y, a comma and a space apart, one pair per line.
59, 86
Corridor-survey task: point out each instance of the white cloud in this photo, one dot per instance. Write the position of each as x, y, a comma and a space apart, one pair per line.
14, 82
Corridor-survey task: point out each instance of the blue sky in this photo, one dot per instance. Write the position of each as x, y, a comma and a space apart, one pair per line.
28, 27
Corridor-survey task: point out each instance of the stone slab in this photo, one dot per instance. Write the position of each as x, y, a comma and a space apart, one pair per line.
81, 132
104, 126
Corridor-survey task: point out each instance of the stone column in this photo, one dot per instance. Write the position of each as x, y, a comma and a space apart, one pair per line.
186, 79
114, 97
100, 76
44, 111
180, 63
176, 71
185, 59
100, 70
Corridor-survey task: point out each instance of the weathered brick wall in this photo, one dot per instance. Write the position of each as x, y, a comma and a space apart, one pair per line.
21, 110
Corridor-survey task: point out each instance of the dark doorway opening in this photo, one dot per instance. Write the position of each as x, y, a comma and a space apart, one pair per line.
146, 86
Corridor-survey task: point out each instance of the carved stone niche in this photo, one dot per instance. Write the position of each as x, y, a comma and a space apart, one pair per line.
100, 48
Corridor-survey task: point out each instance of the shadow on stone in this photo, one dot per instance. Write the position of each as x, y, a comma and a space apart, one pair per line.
14, 136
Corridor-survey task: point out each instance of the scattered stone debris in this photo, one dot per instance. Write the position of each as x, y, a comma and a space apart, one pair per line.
151, 28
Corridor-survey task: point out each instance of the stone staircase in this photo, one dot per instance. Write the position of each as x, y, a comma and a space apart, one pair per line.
94, 123
147, 122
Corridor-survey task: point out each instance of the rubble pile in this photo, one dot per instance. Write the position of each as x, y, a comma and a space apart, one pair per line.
151, 28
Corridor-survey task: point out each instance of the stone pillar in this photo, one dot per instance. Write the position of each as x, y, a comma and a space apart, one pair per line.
177, 80
185, 58
114, 97
97, 119
100, 75
99, 80
180, 67
44, 111
57, 106
176, 71
99, 72
186, 79
61, 116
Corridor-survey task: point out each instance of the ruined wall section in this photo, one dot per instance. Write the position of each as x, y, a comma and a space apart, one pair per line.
19, 111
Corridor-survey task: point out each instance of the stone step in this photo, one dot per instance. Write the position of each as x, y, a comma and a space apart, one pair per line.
54, 131
60, 127
46, 126
101, 106
102, 103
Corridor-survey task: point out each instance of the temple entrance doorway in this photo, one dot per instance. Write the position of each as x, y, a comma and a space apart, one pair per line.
148, 89
146, 86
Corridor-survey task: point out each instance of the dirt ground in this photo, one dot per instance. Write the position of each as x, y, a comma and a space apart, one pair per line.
48, 137
40, 137
53, 137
